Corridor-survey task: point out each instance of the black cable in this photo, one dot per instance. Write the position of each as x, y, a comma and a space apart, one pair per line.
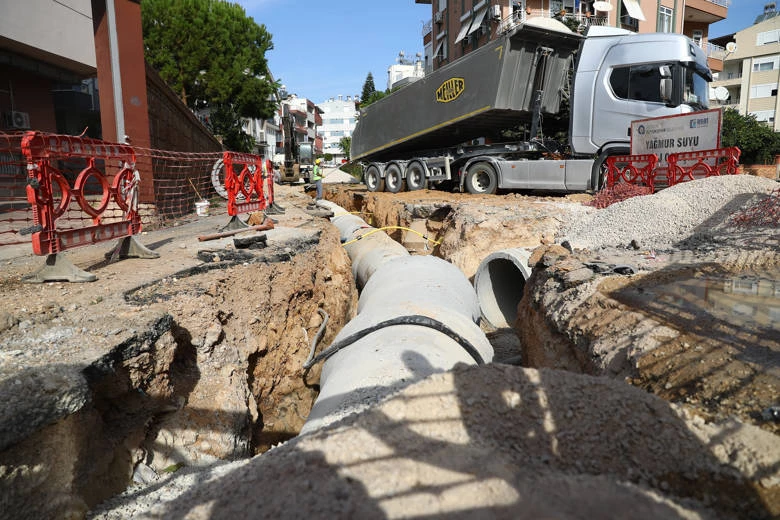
317, 336
414, 319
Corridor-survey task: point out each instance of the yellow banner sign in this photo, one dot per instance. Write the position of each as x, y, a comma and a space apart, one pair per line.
450, 90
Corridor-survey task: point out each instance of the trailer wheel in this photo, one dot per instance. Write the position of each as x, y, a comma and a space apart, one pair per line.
394, 182
374, 181
481, 178
415, 177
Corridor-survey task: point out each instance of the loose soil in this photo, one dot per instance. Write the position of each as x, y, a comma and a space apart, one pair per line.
196, 357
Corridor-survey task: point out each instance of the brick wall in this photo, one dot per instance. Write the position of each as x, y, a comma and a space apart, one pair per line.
172, 125
769, 171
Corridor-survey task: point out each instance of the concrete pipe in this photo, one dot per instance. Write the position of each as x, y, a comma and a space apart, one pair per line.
417, 315
499, 282
367, 248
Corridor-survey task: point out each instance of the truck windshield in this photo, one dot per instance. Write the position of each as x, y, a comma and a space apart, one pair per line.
696, 88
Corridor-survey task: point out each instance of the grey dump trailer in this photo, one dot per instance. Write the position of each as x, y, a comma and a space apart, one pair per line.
446, 128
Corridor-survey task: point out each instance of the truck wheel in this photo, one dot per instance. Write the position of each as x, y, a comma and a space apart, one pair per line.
481, 179
599, 172
415, 177
394, 182
374, 182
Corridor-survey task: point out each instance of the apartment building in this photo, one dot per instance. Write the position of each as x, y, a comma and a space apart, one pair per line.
751, 70
457, 27
404, 71
338, 121
44, 60
306, 119
265, 132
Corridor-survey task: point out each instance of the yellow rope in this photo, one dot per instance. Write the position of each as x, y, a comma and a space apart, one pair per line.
435, 242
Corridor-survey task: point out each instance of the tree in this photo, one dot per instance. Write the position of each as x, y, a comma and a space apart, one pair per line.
213, 56
757, 141
375, 96
345, 143
368, 89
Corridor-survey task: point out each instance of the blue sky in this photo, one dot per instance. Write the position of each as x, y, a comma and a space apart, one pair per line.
323, 49
742, 14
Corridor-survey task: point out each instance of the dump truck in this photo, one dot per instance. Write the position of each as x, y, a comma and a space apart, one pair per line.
448, 129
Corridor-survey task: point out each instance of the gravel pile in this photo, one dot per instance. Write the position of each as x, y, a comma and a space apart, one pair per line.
663, 220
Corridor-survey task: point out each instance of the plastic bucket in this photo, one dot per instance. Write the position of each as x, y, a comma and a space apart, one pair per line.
202, 208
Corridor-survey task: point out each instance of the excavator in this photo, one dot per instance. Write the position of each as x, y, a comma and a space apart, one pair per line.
298, 157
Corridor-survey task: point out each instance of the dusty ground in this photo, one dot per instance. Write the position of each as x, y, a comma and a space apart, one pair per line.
185, 359
163, 341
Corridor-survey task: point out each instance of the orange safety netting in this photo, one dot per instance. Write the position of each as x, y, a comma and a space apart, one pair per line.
178, 180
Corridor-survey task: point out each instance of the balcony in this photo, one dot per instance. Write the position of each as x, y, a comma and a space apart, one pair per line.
706, 11
520, 17
728, 79
427, 28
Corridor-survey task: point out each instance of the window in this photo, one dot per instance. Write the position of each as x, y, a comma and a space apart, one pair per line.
698, 37
767, 37
765, 90
441, 50
557, 5
638, 82
764, 116
764, 64
665, 19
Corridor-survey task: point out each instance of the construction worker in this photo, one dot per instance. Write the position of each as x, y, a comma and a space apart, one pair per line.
316, 176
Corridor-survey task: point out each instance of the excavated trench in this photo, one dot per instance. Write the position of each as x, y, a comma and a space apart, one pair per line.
216, 371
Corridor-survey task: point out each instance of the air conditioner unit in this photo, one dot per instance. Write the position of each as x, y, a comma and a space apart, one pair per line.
19, 120
437, 17
495, 12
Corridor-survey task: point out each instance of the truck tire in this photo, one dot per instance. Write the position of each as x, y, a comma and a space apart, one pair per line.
599, 172
415, 177
374, 182
394, 181
481, 178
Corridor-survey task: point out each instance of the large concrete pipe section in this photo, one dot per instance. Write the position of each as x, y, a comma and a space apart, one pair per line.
417, 315
499, 282
368, 248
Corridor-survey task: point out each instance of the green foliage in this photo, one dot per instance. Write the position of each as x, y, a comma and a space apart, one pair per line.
375, 96
213, 56
328, 157
354, 169
757, 141
345, 143
223, 122
368, 88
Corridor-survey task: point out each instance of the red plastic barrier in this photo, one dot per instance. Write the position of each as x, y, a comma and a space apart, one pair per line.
245, 188
631, 172
40, 151
644, 169
718, 161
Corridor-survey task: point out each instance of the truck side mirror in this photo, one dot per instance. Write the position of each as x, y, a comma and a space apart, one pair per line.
666, 86
666, 90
